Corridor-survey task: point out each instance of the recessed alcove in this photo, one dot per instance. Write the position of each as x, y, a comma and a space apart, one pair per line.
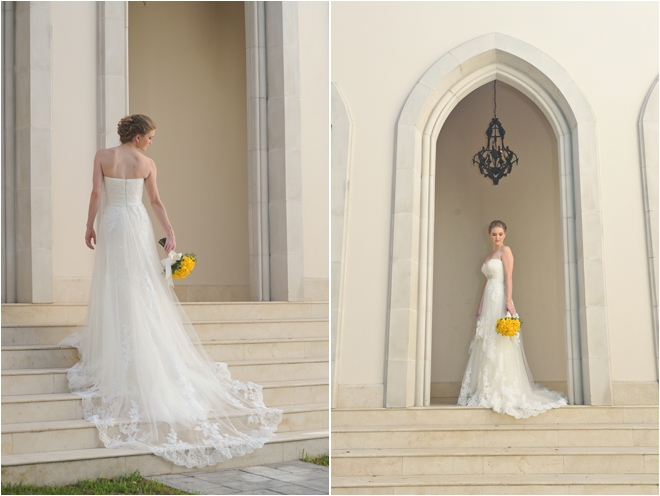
187, 70
528, 201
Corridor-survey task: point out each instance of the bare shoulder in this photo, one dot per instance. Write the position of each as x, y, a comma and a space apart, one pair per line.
149, 164
105, 153
506, 252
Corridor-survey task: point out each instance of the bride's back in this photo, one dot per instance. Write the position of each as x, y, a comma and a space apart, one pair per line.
124, 163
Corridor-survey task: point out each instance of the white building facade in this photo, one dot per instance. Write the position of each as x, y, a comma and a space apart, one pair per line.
412, 96
239, 93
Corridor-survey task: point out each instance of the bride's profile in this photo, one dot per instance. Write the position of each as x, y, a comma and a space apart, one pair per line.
144, 378
497, 375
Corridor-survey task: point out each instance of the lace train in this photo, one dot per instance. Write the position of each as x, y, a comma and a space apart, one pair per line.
144, 378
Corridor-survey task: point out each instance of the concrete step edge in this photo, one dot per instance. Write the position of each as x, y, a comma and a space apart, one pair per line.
493, 451
386, 411
485, 427
99, 453
55, 425
489, 480
242, 363
45, 397
194, 322
41, 347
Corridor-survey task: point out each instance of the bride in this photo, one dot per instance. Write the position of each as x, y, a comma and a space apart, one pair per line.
144, 377
497, 375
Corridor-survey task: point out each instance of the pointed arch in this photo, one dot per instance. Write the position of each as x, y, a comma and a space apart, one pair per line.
550, 87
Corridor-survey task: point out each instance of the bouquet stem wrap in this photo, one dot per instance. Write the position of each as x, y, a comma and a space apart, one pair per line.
171, 259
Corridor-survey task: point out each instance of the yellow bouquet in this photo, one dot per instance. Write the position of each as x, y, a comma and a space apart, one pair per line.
177, 265
508, 326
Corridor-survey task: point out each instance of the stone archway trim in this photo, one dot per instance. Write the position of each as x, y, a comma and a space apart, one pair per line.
409, 321
648, 144
340, 165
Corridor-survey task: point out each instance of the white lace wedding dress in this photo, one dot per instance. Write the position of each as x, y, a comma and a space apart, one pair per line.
497, 375
144, 378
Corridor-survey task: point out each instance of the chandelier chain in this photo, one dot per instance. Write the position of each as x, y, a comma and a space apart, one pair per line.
495, 98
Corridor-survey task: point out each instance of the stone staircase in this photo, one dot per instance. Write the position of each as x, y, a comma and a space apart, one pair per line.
463, 450
281, 345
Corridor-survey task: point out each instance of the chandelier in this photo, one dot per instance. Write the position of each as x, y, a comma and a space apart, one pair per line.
495, 160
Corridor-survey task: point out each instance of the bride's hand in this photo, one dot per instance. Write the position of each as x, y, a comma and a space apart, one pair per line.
510, 309
170, 243
90, 235
476, 314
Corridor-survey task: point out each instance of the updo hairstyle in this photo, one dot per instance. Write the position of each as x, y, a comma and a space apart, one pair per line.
496, 223
132, 125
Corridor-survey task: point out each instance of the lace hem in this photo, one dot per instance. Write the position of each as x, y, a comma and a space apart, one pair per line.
214, 444
501, 404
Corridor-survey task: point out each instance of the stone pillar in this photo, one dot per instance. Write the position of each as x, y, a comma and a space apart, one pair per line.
284, 158
34, 221
257, 108
113, 70
8, 155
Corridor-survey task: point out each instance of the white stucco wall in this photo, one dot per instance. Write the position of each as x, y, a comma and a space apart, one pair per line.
313, 26
379, 52
74, 142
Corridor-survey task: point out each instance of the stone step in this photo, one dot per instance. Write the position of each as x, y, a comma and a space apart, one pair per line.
208, 330
68, 406
487, 436
66, 467
74, 314
53, 356
59, 435
498, 484
462, 415
53, 380
495, 461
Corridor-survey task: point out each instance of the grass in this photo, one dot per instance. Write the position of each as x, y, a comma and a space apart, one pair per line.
323, 460
124, 484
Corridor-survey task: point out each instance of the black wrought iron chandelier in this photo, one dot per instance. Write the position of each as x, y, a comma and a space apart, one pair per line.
495, 160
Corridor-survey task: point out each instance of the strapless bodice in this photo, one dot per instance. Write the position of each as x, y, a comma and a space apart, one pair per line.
493, 270
123, 191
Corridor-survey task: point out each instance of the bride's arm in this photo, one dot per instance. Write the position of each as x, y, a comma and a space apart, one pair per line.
507, 262
159, 209
94, 200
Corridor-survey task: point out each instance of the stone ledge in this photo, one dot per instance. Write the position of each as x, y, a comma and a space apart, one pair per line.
635, 393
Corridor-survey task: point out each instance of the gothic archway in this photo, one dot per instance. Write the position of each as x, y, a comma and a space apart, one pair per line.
550, 87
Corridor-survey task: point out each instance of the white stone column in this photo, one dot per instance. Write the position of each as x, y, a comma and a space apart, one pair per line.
112, 100
257, 108
34, 221
284, 158
8, 155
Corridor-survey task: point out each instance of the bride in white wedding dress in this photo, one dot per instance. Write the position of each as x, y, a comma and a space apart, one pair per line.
144, 378
497, 375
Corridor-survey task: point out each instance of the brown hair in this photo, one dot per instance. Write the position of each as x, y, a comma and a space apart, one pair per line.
496, 223
132, 125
